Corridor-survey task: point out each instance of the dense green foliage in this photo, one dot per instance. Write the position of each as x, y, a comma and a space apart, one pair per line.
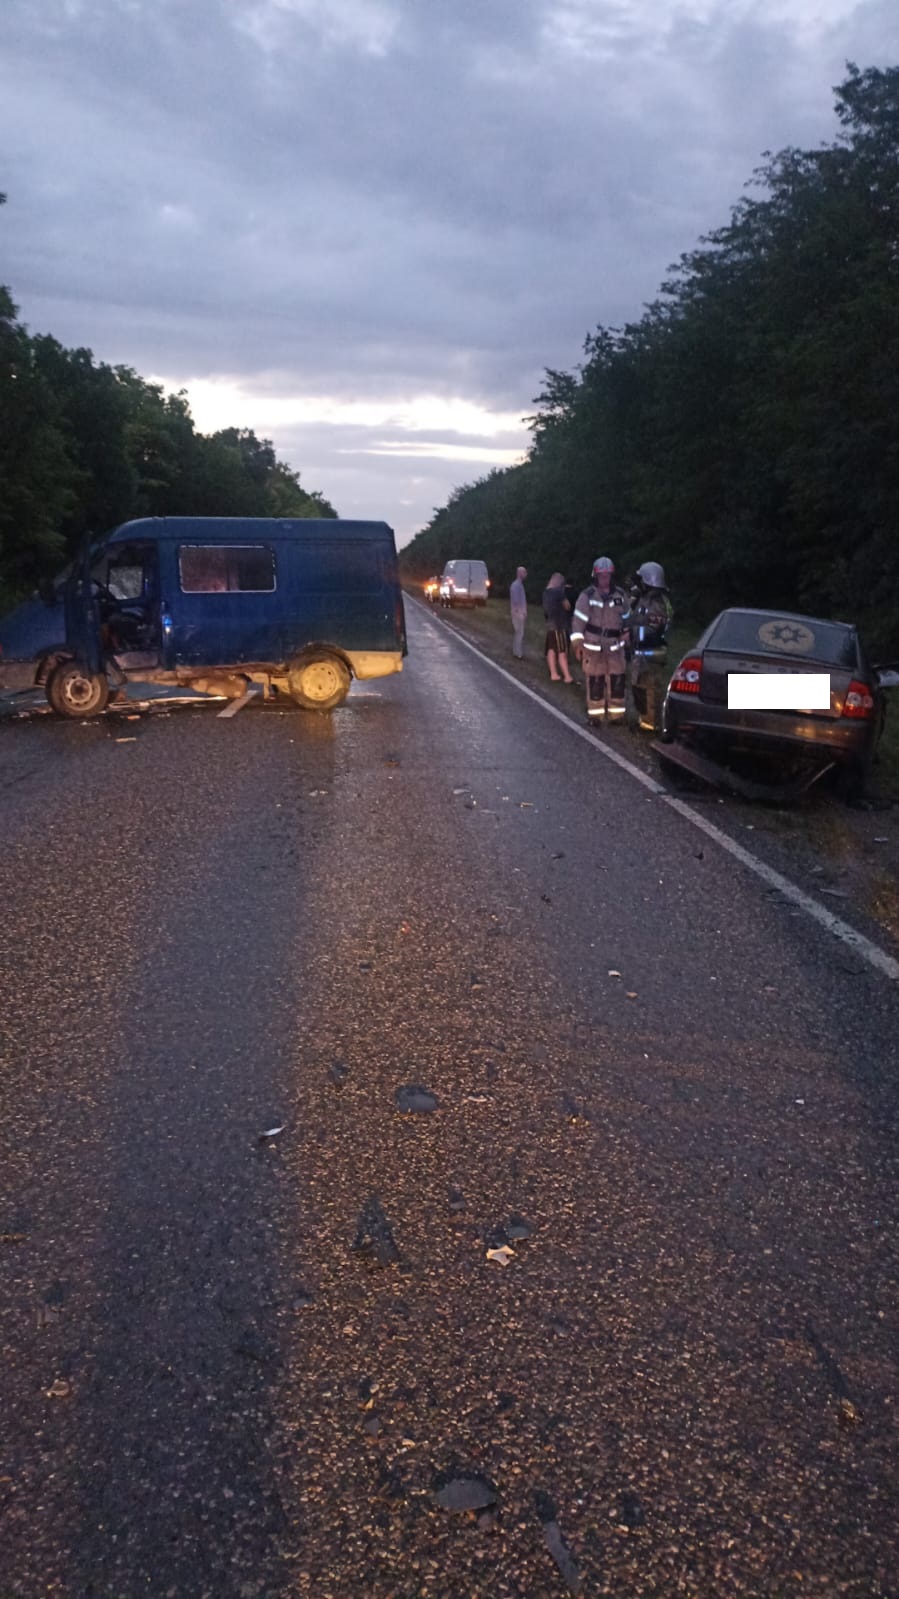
745, 431
84, 446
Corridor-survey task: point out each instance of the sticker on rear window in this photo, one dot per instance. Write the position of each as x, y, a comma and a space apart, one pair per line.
791, 637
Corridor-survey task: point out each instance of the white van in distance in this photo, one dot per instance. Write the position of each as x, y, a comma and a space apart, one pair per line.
464, 583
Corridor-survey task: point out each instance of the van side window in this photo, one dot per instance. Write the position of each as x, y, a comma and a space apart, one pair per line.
341, 568
226, 568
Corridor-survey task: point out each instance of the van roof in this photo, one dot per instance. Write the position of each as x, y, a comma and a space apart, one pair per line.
238, 529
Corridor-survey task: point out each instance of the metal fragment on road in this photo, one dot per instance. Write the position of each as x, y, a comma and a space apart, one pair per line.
555, 1543
631, 1513
60, 1389
466, 1492
374, 1235
415, 1099
575, 1112
561, 1554
270, 1133
502, 1255
518, 1229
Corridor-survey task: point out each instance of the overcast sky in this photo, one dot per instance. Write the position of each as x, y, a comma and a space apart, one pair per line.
364, 227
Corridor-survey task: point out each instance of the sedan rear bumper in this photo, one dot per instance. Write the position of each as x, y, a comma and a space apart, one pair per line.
770, 735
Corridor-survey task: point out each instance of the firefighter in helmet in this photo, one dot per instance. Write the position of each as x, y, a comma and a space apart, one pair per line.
599, 636
650, 619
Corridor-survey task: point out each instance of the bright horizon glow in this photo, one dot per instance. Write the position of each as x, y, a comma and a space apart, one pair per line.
221, 402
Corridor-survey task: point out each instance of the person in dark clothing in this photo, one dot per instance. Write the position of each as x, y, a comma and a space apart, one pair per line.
557, 611
651, 614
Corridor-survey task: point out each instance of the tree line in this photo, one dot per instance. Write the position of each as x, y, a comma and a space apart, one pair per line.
85, 446
745, 431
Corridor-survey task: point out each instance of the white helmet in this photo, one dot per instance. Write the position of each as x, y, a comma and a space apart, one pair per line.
603, 563
652, 574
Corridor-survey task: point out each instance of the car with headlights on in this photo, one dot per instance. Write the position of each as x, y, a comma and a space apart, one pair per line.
781, 750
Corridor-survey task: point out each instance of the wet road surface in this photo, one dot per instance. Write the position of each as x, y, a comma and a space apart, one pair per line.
248, 1365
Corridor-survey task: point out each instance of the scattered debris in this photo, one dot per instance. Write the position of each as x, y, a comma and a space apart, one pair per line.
630, 1512
502, 1255
460, 791
574, 1111
465, 1492
559, 855
412, 1097
525, 805
303, 1299
270, 1133
456, 1199
374, 1235
365, 966
613, 973
518, 1229
131, 739
60, 1389
555, 1543
835, 893
848, 1415
629, 994
338, 1072
475, 981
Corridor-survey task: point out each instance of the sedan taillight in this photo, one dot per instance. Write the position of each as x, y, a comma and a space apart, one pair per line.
687, 677
859, 701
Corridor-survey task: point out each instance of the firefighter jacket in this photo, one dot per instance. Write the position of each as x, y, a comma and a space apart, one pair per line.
600, 624
650, 619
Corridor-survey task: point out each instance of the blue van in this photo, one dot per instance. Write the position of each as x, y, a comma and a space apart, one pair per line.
215, 604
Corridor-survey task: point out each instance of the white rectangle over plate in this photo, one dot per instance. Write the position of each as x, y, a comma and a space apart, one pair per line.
778, 691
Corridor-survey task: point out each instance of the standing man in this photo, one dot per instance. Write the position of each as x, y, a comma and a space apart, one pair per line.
518, 605
598, 637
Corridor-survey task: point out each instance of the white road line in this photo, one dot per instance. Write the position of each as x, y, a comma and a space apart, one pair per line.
233, 706
872, 953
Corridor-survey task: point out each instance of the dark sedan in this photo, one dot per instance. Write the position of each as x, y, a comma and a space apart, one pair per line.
779, 750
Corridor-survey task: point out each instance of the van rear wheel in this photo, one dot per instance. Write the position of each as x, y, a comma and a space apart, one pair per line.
74, 692
319, 681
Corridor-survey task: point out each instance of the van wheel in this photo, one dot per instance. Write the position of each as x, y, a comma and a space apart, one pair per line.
74, 692
319, 682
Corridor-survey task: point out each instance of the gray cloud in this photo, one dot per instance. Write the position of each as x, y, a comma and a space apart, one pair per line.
389, 198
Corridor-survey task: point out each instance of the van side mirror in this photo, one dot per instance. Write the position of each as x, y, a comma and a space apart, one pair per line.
888, 675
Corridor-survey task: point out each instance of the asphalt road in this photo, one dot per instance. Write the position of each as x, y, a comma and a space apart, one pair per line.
241, 1366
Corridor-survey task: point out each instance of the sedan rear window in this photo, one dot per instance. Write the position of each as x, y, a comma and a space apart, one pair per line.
748, 633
